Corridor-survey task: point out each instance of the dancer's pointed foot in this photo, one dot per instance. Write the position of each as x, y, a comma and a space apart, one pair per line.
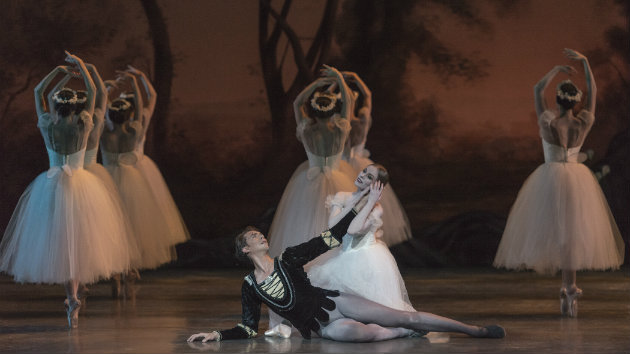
493, 331
568, 301
72, 311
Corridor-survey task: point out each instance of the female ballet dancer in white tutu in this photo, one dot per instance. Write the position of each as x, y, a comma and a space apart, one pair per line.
119, 140
363, 265
90, 160
67, 227
560, 219
322, 127
396, 227
178, 232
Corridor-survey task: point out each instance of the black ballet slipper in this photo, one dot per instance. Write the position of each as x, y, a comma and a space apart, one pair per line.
494, 331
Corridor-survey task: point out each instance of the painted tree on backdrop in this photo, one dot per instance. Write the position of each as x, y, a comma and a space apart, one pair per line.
610, 63
162, 75
272, 25
378, 39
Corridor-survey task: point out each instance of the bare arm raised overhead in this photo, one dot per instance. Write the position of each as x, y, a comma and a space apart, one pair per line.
41, 104
149, 91
87, 79
591, 99
539, 88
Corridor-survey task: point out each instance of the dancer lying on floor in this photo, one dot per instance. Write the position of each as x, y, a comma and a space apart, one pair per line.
283, 286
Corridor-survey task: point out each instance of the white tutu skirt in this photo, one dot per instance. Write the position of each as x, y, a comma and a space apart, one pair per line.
560, 221
148, 223
178, 232
396, 227
132, 245
369, 271
65, 228
301, 213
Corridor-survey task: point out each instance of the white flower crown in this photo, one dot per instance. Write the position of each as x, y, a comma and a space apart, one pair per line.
72, 100
565, 95
125, 106
333, 101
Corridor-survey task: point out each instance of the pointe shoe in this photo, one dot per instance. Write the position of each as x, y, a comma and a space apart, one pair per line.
130, 287
72, 311
568, 302
281, 330
82, 295
494, 331
116, 287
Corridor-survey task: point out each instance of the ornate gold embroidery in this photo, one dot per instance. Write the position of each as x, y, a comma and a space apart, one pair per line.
250, 332
330, 241
273, 286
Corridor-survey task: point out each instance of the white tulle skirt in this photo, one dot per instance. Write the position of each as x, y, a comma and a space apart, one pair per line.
149, 225
65, 227
178, 232
301, 213
396, 227
560, 221
369, 271
132, 245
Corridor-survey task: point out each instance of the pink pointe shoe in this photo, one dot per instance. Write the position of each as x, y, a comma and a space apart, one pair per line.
568, 302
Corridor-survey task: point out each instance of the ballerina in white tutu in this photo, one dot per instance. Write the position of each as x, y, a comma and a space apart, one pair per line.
67, 227
363, 265
396, 227
119, 140
560, 219
178, 232
322, 127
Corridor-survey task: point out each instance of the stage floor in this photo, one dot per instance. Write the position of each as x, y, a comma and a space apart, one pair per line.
171, 304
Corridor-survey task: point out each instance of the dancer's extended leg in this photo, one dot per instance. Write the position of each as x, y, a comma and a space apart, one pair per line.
369, 312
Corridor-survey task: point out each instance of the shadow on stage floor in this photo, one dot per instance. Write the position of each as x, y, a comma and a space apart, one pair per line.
171, 304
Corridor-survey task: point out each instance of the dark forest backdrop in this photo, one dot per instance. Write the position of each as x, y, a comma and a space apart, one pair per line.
453, 109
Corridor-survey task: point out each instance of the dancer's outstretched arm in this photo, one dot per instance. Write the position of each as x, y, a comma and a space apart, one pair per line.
539, 88
149, 91
87, 79
41, 104
100, 101
591, 98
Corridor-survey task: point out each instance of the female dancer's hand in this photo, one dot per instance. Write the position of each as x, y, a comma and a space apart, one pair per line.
572, 54
133, 70
376, 190
72, 59
68, 70
329, 71
204, 337
568, 69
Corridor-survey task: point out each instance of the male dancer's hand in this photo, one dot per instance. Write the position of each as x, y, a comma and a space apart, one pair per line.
204, 337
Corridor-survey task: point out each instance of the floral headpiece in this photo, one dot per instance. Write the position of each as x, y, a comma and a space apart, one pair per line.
82, 99
57, 99
125, 105
577, 97
331, 96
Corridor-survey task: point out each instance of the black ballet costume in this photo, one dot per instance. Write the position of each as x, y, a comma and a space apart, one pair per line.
287, 291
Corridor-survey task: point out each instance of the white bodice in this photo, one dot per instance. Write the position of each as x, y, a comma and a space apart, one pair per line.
116, 158
90, 156
67, 163
555, 153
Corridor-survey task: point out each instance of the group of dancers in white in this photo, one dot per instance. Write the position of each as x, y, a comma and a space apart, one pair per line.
80, 222
559, 221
